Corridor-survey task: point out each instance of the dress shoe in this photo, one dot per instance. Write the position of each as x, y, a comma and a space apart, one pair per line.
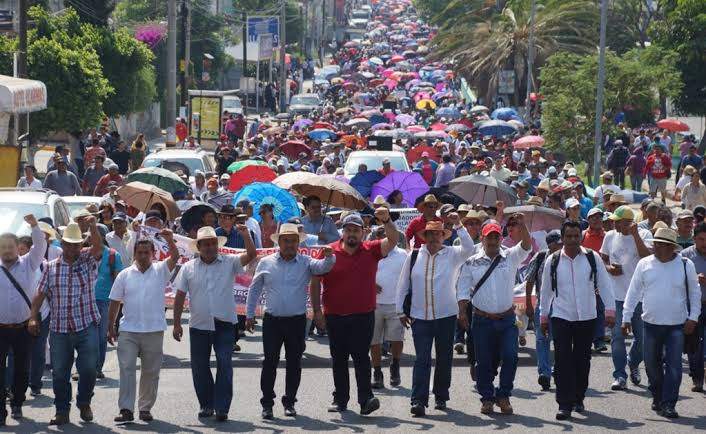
86, 413
124, 416
563, 415
221, 417
669, 413
370, 406
290, 411
146, 416
60, 419
418, 410
440, 404
336, 408
545, 382
267, 413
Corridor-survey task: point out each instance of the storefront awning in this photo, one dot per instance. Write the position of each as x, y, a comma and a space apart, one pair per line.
19, 95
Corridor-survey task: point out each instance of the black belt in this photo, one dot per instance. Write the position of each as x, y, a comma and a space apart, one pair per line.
269, 315
14, 326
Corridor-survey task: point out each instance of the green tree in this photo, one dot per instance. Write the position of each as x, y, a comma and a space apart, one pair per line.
632, 84
482, 41
629, 22
95, 12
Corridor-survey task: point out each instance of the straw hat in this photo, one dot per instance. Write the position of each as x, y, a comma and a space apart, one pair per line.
429, 198
207, 233
47, 229
666, 236
617, 198
72, 234
434, 226
535, 200
380, 201
287, 229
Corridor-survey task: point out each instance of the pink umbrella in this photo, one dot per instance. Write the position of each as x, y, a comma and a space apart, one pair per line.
529, 142
391, 84
438, 126
421, 95
390, 116
387, 72
415, 129
382, 126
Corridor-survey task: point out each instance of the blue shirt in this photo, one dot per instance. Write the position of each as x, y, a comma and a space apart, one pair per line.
533, 183
586, 205
104, 280
285, 284
692, 160
313, 227
233, 239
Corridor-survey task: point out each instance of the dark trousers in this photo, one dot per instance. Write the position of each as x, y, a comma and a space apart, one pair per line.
277, 331
350, 336
440, 334
663, 348
37, 361
20, 342
218, 395
465, 336
696, 360
572, 359
496, 343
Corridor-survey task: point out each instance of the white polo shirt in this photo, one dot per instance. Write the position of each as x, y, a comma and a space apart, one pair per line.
389, 269
142, 295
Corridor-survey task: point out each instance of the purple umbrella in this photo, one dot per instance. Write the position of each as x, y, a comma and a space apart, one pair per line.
302, 123
405, 119
382, 126
411, 83
411, 184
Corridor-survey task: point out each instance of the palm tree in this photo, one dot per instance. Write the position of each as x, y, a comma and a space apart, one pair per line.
482, 41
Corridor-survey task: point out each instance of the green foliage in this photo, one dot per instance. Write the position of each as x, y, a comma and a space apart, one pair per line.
684, 31
629, 22
632, 84
428, 9
7, 47
95, 12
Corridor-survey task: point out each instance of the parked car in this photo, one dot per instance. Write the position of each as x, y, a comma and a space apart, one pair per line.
304, 103
373, 159
232, 104
16, 203
187, 160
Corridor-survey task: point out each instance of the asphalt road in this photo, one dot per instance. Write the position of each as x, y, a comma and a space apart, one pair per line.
176, 408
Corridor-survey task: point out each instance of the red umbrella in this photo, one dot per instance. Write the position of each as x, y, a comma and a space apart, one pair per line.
293, 148
674, 125
467, 122
396, 58
414, 154
438, 126
529, 142
250, 174
324, 125
415, 129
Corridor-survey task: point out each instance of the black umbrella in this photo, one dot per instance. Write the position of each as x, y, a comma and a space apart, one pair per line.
192, 217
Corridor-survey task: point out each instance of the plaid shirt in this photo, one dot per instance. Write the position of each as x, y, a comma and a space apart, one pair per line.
69, 289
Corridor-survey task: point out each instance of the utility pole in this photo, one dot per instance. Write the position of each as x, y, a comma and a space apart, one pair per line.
171, 72
22, 120
245, 58
186, 47
322, 51
282, 54
598, 138
530, 62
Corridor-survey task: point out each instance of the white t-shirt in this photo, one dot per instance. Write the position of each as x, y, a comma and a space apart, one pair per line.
598, 193
389, 269
621, 250
683, 182
142, 295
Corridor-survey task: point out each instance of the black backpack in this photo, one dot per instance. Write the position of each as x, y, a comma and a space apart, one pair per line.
555, 264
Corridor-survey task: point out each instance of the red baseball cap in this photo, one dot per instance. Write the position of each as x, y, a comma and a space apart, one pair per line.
490, 228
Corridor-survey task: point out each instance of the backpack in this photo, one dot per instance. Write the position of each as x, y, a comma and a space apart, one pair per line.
555, 264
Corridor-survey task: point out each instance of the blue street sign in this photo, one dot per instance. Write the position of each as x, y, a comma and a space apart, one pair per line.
261, 25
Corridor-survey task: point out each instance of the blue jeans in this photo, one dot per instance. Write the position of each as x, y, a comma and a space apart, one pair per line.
599, 328
663, 348
495, 342
617, 343
62, 346
543, 347
440, 333
102, 333
38, 358
213, 396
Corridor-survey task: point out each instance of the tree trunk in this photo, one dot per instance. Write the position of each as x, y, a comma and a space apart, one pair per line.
702, 144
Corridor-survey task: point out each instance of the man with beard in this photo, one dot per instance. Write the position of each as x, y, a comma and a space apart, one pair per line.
349, 300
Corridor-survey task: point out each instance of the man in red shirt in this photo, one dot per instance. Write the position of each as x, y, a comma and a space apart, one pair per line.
386, 168
428, 209
112, 175
658, 169
349, 297
593, 236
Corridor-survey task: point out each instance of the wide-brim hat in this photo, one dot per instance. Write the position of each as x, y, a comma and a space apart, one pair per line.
429, 198
72, 234
287, 229
617, 198
434, 226
207, 233
47, 229
666, 236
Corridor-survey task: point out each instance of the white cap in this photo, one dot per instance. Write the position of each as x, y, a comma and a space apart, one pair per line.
572, 202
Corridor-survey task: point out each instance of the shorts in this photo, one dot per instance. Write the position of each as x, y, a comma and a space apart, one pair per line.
658, 185
387, 325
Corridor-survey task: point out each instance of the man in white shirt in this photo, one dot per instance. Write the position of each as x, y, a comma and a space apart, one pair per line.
571, 279
668, 287
121, 239
140, 290
607, 184
494, 331
429, 287
621, 250
499, 171
387, 325
208, 279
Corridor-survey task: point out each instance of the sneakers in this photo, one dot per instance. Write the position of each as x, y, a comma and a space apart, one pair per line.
146, 416
440, 404
504, 404
378, 379
619, 384
100, 375
290, 411
545, 382
460, 348
635, 376
205, 412
395, 375
486, 407
336, 408
267, 413
563, 415
600, 347
418, 410
370, 406
86, 413
124, 416
669, 413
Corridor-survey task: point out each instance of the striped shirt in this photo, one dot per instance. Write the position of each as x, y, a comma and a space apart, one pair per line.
69, 288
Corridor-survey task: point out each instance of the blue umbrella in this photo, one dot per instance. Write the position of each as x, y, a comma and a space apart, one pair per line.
283, 203
363, 181
322, 134
503, 113
377, 119
496, 128
448, 112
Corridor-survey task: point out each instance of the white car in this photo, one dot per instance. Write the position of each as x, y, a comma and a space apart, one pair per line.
232, 104
304, 103
75, 203
16, 203
175, 159
373, 159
